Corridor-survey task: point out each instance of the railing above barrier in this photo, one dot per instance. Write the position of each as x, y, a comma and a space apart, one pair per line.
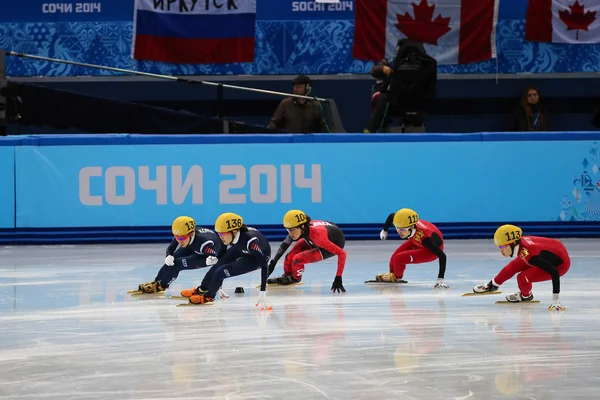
134, 139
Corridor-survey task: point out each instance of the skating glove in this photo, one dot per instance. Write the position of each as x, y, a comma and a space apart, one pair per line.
211, 260
262, 301
170, 260
440, 284
223, 294
271, 267
383, 234
337, 285
556, 303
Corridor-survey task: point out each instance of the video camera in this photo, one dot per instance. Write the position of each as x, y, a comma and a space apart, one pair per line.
414, 77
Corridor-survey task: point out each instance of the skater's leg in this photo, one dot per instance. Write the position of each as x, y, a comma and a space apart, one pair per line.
299, 247
406, 246
400, 260
300, 259
240, 266
530, 275
515, 266
167, 274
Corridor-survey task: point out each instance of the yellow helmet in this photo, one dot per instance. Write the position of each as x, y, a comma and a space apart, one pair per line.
183, 226
228, 222
507, 234
294, 218
405, 217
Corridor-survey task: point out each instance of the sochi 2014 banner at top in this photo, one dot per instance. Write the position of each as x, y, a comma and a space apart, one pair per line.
123, 10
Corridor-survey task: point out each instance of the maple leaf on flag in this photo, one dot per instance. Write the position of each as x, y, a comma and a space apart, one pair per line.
423, 28
577, 19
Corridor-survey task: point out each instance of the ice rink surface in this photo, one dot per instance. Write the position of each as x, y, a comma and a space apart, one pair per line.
69, 330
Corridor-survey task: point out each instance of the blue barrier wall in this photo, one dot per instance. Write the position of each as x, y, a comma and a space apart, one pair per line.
7, 186
292, 37
128, 187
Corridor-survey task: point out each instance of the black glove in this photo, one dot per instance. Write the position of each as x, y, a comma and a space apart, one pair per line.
337, 285
271, 267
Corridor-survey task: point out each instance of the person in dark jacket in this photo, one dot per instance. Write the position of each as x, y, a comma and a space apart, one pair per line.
379, 101
297, 115
530, 115
412, 54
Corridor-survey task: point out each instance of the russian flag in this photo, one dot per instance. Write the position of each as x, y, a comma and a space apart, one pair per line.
194, 31
452, 31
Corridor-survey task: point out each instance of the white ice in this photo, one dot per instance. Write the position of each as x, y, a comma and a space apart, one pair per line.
68, 330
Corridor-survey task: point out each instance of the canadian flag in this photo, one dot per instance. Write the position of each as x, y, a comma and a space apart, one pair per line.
563, 21
452, 31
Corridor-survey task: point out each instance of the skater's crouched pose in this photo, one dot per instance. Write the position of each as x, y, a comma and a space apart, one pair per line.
316, 241
191, 248
538, 259
424, 244
247, 251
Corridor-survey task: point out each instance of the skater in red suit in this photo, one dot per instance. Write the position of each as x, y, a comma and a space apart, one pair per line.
425, 243
538, 259
317, 241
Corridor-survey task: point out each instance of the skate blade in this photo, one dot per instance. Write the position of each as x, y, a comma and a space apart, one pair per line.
278, 285
140, 293
520, 302
194, 305
178, 297
480, 294
387, 283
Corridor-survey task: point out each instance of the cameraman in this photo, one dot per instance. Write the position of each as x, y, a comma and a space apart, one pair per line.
409, 77
297, 115
379, 101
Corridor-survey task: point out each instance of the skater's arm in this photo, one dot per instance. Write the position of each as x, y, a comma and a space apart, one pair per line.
539, 262
254, 249
172, 247
207, 248
263, 277
230, 256
389, 222
433, 246
321, 239
283, 248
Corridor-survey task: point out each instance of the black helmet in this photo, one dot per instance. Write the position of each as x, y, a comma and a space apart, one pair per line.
301, 79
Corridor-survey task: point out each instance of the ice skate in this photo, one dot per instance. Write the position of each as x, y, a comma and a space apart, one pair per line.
517, 298
187, 293
287, 280
201, 299
387, 277
282, 281
148, 288
273, 281
490, 287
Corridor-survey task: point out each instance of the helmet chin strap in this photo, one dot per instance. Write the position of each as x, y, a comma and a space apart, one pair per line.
412, 232
304, 229
236, 237
515, 249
